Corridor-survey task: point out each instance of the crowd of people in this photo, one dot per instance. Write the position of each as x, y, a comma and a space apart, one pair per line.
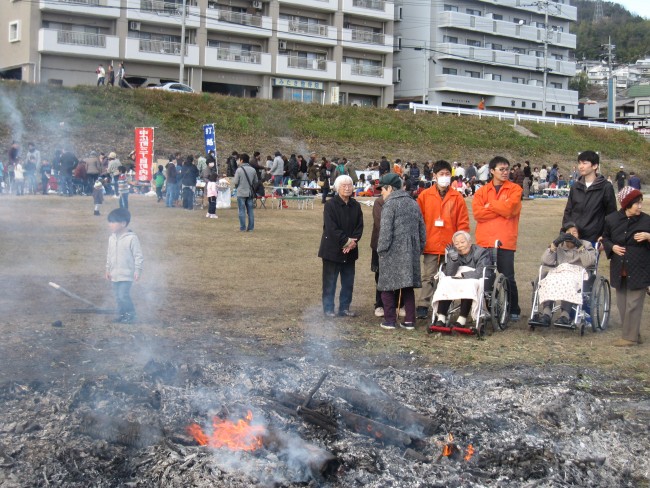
435, 223
418, 212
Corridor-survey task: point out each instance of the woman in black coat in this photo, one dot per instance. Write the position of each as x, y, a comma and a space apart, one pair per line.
627, 244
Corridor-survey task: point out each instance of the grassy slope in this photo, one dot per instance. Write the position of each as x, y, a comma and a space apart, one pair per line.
104, 119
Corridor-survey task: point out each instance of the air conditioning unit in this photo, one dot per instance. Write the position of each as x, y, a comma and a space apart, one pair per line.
488, 76
397, 74
257, 4
282, 45
135, 26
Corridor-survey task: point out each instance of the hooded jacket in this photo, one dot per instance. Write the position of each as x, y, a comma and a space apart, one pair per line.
588, 207
451, 210
124, 256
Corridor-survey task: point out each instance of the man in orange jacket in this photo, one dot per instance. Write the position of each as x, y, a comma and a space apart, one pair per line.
497, 207
444, 212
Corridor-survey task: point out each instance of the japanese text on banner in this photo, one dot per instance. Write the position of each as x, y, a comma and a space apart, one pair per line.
143, 153
208, 134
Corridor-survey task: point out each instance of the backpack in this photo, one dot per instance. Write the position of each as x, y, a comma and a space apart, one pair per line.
159, 179
341, 169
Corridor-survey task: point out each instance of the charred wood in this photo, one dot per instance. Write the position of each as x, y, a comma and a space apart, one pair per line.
387, 410
375, 430
119, 431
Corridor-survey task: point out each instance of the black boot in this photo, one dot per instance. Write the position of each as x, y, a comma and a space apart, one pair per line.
96, 212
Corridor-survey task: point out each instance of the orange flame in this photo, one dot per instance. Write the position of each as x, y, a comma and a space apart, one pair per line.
236, 436
447, 450
469, 452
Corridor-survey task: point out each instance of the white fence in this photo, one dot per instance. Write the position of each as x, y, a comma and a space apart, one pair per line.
515, 116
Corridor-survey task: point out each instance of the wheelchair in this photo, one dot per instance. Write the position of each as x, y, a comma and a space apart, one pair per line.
493, 305
594, 310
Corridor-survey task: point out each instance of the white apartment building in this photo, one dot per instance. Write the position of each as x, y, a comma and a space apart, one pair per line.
457, 52
321, 51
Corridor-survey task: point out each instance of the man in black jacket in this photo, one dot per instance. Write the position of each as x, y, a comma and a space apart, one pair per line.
591, 199
342, 229
68, 163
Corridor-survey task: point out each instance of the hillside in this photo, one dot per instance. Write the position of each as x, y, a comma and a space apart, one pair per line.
630, 33
104, 119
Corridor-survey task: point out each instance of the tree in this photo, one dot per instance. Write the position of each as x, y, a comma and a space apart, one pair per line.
580, 83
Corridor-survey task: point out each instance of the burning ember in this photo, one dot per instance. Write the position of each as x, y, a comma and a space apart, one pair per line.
450, 449
236, 436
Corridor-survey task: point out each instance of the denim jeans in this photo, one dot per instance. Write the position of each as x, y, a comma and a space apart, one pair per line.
331, 272
66, 185
124, 200
506, 266
122, 292
171, 194
245, 206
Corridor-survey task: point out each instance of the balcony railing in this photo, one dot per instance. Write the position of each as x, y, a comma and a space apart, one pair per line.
304, 63
162, 7
359, 35
307, 28
225, 54
239, 18
81, 38
364, 70
161, 47
372, 4
80, 2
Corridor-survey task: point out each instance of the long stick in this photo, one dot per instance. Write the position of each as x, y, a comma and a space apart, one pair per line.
311, 393
72, 295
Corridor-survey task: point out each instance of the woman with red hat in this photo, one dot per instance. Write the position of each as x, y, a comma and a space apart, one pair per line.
627, 244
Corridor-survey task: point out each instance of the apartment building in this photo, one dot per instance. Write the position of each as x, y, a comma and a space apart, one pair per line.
320, 51
458, 52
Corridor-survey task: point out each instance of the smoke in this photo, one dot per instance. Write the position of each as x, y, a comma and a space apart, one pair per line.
12, 116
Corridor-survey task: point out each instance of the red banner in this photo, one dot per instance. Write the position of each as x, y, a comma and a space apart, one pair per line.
143, 153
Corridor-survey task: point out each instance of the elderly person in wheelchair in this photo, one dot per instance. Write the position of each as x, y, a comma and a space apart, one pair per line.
567, 257
461, 277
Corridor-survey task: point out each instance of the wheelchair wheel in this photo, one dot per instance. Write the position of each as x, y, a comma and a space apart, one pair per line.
600, 303
500, 303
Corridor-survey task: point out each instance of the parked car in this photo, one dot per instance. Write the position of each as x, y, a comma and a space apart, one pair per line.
173, 87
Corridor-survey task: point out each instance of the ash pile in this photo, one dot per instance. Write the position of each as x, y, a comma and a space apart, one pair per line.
296, 422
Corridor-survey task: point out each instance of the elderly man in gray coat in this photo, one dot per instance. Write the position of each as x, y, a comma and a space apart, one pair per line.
402, 237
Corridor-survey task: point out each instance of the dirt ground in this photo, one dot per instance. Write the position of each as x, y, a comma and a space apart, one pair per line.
210, 292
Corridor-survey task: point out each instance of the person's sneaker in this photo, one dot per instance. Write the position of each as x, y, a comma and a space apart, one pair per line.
96, 212
346, 313
421, 312
439, 323
215, 216
387, 325
379, 312
407, 325
545, 320
402, 312
330, 314
515, 317
207, 216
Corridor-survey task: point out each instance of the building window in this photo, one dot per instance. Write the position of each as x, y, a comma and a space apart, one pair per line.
556, 85
523, 104
497, 47
533, 105
519, 21
497, 16
552, 107
519, 50
449, 71
14, 31
473, 74
643, 108
559, 57
450, 39
512, 103
472, 11
563, 108
521, 81
473, 42
450, 8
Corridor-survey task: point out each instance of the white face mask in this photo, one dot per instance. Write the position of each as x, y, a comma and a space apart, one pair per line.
443, 181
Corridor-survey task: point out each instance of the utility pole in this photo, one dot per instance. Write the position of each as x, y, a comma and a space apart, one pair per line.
425, 71
182, 64
545, 77
611, 81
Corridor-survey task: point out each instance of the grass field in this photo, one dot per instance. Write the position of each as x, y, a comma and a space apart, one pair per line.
209, 289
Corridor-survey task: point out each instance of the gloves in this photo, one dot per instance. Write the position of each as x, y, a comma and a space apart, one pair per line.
574, 240
560, 239
452, 253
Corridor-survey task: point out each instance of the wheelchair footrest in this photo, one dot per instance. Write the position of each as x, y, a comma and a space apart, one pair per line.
537, 323
440, 328
464, 330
